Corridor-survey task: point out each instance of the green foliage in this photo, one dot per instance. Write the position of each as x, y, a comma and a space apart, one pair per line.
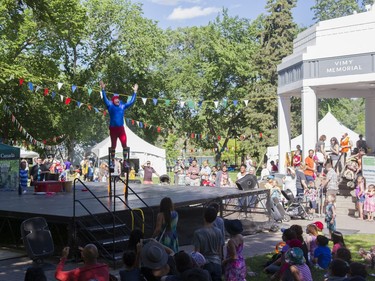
329, 9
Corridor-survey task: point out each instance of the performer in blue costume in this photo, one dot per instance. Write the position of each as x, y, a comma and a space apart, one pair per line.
116, 109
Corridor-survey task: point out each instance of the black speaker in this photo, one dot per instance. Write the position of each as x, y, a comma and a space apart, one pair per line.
37, 238
247, 182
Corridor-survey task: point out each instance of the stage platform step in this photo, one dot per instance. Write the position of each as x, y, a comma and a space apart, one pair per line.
109, 241
108, 227
345, 205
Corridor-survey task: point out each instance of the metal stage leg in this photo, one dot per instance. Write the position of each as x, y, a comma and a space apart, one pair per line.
111, 162
126, 154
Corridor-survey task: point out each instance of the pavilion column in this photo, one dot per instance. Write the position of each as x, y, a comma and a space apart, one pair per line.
370, 119
309, 120
283, 131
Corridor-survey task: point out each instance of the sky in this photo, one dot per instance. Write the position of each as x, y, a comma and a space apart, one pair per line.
183, 13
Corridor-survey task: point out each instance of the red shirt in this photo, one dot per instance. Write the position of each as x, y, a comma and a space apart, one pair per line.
97, 271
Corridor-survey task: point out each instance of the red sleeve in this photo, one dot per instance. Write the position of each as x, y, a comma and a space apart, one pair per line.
63, 275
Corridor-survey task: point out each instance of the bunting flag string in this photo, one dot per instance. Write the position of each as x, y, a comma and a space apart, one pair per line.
29, 137
155, 101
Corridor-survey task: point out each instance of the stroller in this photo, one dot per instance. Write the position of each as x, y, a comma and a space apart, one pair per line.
350, 169
296, 208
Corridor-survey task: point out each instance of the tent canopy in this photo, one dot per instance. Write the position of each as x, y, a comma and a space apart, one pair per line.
28, 153
139, 149
328, 126
9, 152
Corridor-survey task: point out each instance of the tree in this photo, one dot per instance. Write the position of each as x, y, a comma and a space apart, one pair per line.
330, 9
275, 33
76, 43
211, 68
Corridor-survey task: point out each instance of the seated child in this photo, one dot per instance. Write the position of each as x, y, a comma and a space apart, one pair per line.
322, 254
131, 271
275, 190
368, 256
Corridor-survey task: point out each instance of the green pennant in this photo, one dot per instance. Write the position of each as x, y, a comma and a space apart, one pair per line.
167, 102
89, 90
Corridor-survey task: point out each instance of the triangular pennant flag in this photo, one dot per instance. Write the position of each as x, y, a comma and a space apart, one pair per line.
53, 95
235, 102
61, 98
129, 98
133, 122
101, 94
200, 103
192, 135
37, 88
182, 104
158, 129
167, 102
89, 106
21, 81
89, 90
59, 85
144, 101
140, 124
218, 137
224, 102
45, 92
31, 86
74, 87
246, 102
216, 103
67, 101
155, 101
78, 104
96, 110
104, 112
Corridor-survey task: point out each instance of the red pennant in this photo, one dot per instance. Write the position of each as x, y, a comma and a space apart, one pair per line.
192, 135
67, 101
218, 137
158, 129
89, 106
45, 91
260, 135
21, 81
145, 125
133, 122
44, 141
104, 112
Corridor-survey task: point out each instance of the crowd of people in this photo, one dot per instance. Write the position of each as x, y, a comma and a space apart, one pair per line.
300, 253
217, 254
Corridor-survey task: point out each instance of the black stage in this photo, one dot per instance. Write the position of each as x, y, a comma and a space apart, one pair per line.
57, 208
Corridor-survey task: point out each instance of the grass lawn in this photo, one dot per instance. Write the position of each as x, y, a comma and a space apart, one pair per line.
353, 242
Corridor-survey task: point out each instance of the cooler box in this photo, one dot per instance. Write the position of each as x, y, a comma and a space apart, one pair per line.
48, 186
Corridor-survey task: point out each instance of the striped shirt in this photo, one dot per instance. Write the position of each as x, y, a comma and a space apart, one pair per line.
24, 175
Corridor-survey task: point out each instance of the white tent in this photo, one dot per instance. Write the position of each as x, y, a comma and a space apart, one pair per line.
328, 126
28, 153
139, 150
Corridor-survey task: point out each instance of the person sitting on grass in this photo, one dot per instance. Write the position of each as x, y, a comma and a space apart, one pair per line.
131, 271
338, 270
338, 242
312, 233
344, 254
298, 269
275, 265
322, 254
357, 272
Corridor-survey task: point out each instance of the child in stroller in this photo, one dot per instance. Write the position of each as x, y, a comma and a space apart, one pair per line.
295, 206
353, 167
